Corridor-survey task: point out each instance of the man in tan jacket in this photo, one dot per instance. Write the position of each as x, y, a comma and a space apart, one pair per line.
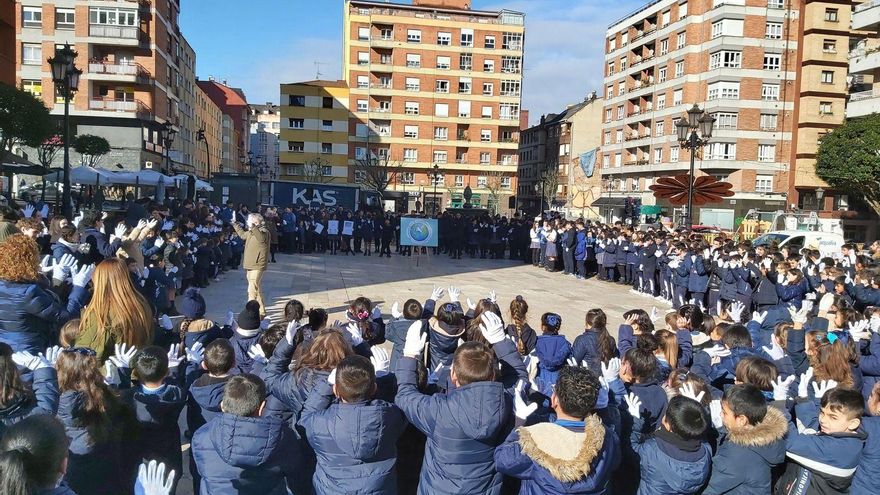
256, 255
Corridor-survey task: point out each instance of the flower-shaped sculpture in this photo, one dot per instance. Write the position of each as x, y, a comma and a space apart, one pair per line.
707, 189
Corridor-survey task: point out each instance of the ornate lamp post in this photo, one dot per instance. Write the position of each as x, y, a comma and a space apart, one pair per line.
435, 176
692, 135
65, 75
167, 135
200, 135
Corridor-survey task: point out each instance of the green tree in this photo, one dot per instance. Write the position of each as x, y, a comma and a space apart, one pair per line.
24, 121
91, 148
849, 159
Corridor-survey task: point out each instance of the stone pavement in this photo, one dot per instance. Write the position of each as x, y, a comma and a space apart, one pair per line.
328, 282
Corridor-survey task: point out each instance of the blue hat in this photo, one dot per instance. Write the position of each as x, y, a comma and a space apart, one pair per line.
192, 304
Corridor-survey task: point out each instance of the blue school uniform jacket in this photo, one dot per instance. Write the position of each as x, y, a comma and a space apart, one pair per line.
442, 342
552, 352
580, 246
586, 348
541, 456
867, 478
667, 467
463, 428
745, 456
609, 260
43, 401
697, 274
242, 341
203, 400
355, 443
242, 456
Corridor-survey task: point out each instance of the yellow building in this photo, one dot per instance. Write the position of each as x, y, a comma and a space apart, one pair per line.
314, 132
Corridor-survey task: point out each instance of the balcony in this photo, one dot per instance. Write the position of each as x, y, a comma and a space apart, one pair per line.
136, 107
113, 31
863, 103
864, 60
124, 72
866, 16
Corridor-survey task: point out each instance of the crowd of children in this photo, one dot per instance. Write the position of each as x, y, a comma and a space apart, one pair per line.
728, 392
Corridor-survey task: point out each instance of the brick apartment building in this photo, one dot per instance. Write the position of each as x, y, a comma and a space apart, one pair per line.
234, 126
7, 42
436, 82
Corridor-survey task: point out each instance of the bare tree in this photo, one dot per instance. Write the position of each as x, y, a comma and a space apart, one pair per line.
48, 149
379, 172
549, 181
313, 171
494, 186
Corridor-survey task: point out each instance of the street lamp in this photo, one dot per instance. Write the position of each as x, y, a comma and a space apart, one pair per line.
167, 134
688, 138
65, 75
539, 189
820, 195
200, 135
435, 176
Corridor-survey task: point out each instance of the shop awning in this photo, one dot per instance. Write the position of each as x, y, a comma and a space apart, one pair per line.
612, 202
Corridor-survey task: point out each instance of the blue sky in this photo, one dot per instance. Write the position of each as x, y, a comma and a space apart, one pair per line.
258, 44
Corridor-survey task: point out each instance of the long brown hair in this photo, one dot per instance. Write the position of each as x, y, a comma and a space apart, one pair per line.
668, 344
79, 372
597, 321
117, 306
472, 331
830, 361
325, 352
361, 309
519, 309
11, 386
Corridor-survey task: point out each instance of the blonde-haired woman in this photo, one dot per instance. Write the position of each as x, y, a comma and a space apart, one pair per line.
117, 314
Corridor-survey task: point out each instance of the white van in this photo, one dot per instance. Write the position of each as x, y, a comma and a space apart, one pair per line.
827, 243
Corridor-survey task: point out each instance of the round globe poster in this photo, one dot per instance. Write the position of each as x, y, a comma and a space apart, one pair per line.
418, 232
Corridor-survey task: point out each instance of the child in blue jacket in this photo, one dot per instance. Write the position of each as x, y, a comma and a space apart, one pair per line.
354, 438
20, 400
246, 334
552, 350
395, 330
867, 478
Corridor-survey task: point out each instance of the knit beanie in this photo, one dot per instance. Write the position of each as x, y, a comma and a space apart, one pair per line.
249, 318
192, 304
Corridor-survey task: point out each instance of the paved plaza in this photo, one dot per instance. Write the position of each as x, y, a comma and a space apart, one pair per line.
328, 282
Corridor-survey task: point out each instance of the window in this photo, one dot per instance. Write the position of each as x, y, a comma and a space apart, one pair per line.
664, 20
485, 158
722, 151
386, 34
621, 88
441, 133
511, 41
467, 37
488, 66
727, 27
488, 89
459, 181
618, 160
682, 10
410, 155
482, 182
658, 155
772, 61
725, 120
766, 152
464, 109
363, 58
296, 146
443, 63
673, 154
620, 112
505, 183
490, 43
723, 90
508, 111
485, 136
829, 46
664, 47
413, 60
360, 153
659, 128
411, 131
408, 178
827, 77
464, 85
64, 18
442, 86
624, 38
414, 36
31, 54
32, 16
768, 121
612, 44
113, 16
764, 183
623, 63
363, 33
465, 61
608, 114
727, 60
775, 4
611, 68
511, 65
831, 15
679, 68
34, 87
607, 139
661, 74
327, 148
327, 102
326, 170
486, 112
677, 96
680, 39
618, 136
510, 88
360, 130
444, 39
411, 108
296, 100
773, 31
770, 92
441, 109
825, 108
363, 82
413, 84
362, 105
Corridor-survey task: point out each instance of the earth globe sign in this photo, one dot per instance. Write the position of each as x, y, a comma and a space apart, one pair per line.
420, 231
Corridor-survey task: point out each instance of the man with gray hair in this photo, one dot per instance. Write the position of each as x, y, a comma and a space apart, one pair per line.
256, 255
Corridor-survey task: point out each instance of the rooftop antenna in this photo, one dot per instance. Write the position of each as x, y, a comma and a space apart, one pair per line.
318, 73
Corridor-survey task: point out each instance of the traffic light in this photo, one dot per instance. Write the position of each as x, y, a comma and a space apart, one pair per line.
627, 207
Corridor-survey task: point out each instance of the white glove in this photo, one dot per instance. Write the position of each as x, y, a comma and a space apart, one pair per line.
381, 361
798, 316
492, 296
146, 272
167, 225
123, 355
571, 361
715, 413
174, 269
521, 408
415, 340
234, 217
780, 278
151, 479
120, 230
655, 314
826, 302
859, 330
354, 333
780, 387
230, 318
165, 322
28, 211
803, 386
256, 353
174, 357
44, 211
658, 253
151, 224
159, 242
377, 312
111, 377
82, 276
759, 317
266, 323
687, 390
611, 370
141, 224
196, 353
47, 263
774, 351
52, 354
471, 305
29, 361
874, 323
819, 389
434, 376
736, 310
62, 268
454, 292
717, 351
492, 328
395, 310
633, 405
437, 293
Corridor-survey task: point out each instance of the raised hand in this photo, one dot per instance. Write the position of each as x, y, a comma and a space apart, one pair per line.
717, 351
859, 330
165, 322
52, 354
454, 293
798, 315
492, 328
82, 276
774, 351
472, 306
290, 333
437, 293
174, 357
819, 389
196, 353
759, 317
655, 314
611, 370
715, 413
415, 340
434, 376
377, 312
687, 390
123, 355
120, 230
492, 295
151, 479
804, 384
29, 361
633, 405
47, 263
780, 387
395, 310
256, 353
28, 211
521, 407
381, 361
354, 334
736, 310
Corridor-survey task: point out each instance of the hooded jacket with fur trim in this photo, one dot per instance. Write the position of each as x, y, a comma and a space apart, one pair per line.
561, 458
746, 455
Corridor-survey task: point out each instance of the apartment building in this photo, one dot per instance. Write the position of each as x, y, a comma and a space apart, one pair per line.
209, 145
750, 64
130, 55
314, 125
234, 125
7, 42
183, 148
265, 129
436, 82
